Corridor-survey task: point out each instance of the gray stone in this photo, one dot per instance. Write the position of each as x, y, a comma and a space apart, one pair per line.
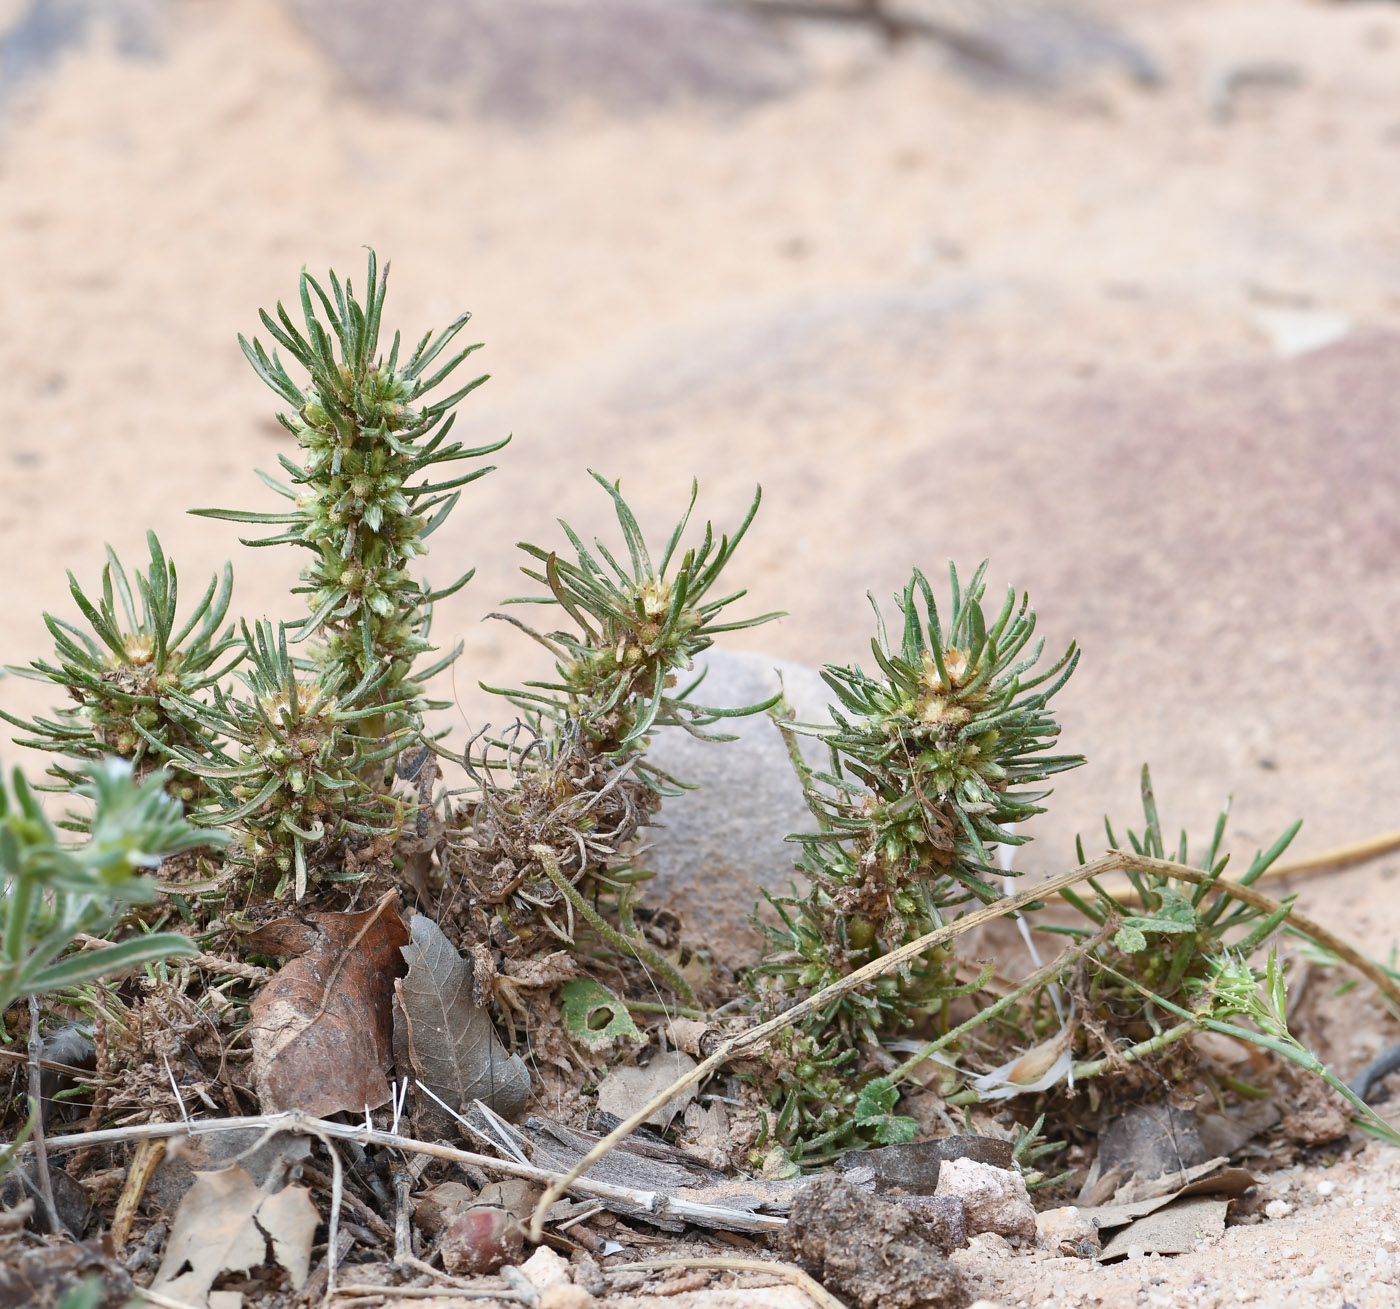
721, 845
465, 57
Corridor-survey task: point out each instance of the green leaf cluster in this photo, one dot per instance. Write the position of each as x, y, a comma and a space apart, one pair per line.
638, 626
577, 780
933, 754
285, 761
296, 756
367, 496
50, 892
1178, 931
133, 672
934, 757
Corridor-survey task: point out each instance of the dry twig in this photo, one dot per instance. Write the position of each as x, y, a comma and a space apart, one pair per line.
644, 1202
788, 1272
1113, 861
36, 1107
147, 1160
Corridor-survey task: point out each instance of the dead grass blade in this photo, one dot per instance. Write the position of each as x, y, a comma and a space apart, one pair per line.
1113, 861
1342, 856
790, 1273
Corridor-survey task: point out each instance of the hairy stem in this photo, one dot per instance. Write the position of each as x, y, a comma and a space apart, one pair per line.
610, 934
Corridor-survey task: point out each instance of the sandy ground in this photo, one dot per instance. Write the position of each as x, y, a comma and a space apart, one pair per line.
934, 315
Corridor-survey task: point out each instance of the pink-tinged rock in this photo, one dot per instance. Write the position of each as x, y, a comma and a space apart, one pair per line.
481, 1240
994, 1199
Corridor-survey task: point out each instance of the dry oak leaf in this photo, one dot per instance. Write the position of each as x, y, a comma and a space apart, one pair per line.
225, 1225
322, 1029
446, 1037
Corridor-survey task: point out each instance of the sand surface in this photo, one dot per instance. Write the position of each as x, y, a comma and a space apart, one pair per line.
934, 314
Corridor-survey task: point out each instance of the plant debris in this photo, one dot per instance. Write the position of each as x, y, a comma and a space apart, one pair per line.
627, 1088
445, 1036
322, 1028
1173, 1229
869, 1250
224, 1225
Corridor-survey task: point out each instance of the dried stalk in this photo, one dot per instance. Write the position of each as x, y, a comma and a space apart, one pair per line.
147, 1160
428, 1293
1342, 856
645, 1202
209, 962
790, 1273
644, 953
36, 1107
163, 1301
1114, 861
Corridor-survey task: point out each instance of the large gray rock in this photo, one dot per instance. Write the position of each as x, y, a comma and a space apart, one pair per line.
721, 845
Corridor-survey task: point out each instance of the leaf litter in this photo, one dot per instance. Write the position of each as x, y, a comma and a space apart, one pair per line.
226, 1225
445, 1036
322, 1028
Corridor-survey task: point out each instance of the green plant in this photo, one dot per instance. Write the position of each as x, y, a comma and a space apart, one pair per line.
932, 758
639, 625
301, 758
573, 779
52, 892
126, 674
286, 764
366, 430
1177, 931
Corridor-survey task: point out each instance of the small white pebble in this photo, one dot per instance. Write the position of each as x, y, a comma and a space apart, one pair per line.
1318, 1275
1278, 1209
1326, 1188
1288, 1252
1136, 1252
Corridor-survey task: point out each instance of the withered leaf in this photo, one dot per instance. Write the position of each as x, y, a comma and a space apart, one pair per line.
322, 1029
226, 1225
449, 1040
625, 1090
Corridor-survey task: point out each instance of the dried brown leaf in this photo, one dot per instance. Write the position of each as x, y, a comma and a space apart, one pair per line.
322, 1029
226, 1225
449, 1039
625, 1090
1175, 1229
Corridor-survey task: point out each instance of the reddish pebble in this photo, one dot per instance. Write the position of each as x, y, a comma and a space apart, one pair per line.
480, 1240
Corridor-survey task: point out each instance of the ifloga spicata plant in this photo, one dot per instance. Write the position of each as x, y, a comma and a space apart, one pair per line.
284, 740
316, 735
538, 849
299, 758
934, 758
131, 675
